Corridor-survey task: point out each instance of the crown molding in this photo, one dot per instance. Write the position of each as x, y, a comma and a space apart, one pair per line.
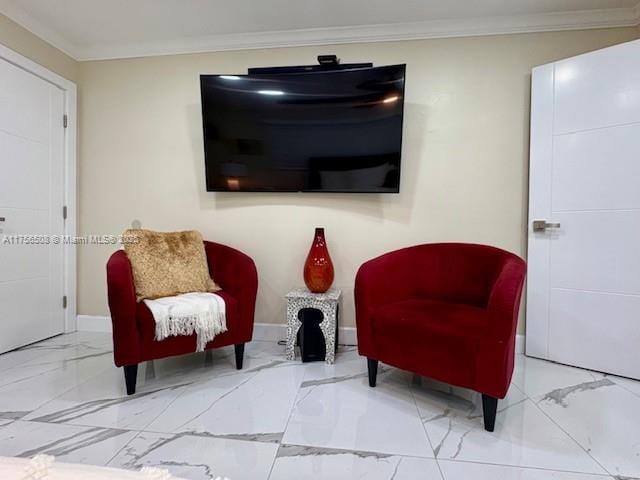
49, 35
548, 22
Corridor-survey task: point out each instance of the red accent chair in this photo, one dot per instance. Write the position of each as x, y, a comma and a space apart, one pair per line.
447, 311
134, 326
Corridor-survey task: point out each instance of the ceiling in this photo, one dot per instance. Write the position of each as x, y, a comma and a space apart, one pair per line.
92, 29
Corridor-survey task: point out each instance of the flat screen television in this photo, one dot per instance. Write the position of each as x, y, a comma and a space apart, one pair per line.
318, 131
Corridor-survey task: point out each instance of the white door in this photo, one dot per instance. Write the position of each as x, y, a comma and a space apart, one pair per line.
31, 200
583, 297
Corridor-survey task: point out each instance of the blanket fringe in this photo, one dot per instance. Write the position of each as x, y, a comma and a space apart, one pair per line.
205, 325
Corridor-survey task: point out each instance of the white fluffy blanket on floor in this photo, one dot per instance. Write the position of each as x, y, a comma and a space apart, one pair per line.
201, 313
42, 467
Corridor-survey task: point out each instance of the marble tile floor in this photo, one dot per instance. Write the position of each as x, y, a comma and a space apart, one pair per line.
199, 417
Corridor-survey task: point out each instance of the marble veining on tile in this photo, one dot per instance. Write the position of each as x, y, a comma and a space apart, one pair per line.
329, 464
604, 421
250, 437
559, 395
13, 415
199, 417
524, 435
325, 381
90, 445
76, 441
127, 412
198, 457
302, 451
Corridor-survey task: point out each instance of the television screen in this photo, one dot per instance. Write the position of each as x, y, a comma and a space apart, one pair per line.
320, 131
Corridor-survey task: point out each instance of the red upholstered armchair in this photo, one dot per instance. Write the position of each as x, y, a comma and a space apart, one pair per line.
447, 311
134, 326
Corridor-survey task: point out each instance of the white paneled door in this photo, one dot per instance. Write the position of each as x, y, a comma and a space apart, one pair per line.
31, 202
583, 299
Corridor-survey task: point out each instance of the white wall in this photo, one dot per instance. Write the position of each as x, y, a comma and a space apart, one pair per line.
464, 160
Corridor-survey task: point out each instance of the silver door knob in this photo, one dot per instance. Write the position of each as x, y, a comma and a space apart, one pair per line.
543, 225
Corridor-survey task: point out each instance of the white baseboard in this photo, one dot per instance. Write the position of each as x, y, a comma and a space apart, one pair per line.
261, 331
275, 332
94, 323
269, 332
272, 332
348, 336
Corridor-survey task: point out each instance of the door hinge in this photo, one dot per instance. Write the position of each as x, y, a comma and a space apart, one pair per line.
64, 212
64, 301
65, 121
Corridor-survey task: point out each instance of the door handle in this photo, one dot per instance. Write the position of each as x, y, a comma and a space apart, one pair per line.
2, 219
543, 225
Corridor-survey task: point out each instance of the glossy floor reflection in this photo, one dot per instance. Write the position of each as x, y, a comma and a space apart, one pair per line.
199, 417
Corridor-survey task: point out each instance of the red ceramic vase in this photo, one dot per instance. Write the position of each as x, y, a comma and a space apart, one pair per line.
318, 269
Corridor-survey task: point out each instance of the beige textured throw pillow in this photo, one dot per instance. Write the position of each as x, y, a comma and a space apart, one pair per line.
167, 264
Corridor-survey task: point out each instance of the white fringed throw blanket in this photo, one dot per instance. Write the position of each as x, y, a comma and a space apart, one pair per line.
189, 313
44, 467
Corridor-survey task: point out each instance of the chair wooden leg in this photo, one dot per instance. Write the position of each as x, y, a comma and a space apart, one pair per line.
372, 366
130, 377
489, 409
239, 355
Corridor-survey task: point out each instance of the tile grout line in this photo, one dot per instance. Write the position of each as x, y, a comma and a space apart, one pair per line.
139, 429
613, 379
294, 404
32, 346
606, 473
424, 428
47, 351
61, 394
389, 454
23, 349
184, 389
51, 370
122, 448
137, 432
569, 435
251, 375
35, 375
142, 430
542, 469
221, 397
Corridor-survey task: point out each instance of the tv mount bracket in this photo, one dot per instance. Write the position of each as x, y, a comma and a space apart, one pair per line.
328, 60
325, 63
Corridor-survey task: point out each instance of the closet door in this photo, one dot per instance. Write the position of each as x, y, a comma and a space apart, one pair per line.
31, 200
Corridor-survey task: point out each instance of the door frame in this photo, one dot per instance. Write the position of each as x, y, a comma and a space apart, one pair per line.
540, 157
69, 90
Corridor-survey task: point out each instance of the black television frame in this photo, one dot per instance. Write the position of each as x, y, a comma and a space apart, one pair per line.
310, 70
